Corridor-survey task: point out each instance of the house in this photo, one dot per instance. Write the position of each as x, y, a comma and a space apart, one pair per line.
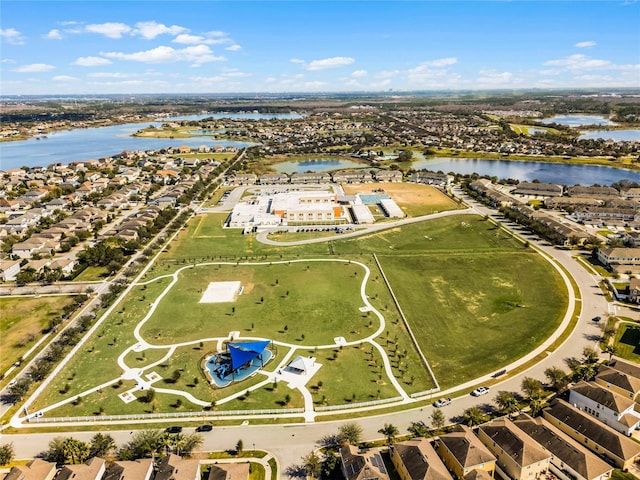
431, 178
92, 470
618, 256
310, 178
463, 452
539, 189
596, 436
135, 470
274, 179
416, 459
620, 377
569, 459
634, 290
66, 265
242, 179
609, 407
359, 176
362, 466
230, 471
34, 470
394, 176
174, 467
596, 192
9, 269
519, 457
27, 249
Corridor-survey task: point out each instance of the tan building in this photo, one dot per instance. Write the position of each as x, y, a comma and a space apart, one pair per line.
34, 470
620, 377
596, 436
362, 466
174, 467
130, 470
462, 452
416, 459
519, 457
229, 471
92, 470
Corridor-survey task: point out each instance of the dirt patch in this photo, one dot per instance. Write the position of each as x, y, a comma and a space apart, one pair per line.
402, 193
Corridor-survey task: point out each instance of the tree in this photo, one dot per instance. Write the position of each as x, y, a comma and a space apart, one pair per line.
101, 445
390, 432
143, 444
239, 447
590, 355
611, 350
558, 378
473, 416
532, 387
419, 429
350, 432
437, 419
329, 465
6, 453
311, 463
69, 450
507, 402
536, 404
189, 443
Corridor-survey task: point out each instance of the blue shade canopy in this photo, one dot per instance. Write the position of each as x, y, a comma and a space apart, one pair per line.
244, 352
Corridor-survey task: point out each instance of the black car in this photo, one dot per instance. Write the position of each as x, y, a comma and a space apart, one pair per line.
204, 428
596, 319
174, 429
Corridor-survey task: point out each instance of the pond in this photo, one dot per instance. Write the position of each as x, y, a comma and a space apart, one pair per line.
316, 165
578, 120
615, 135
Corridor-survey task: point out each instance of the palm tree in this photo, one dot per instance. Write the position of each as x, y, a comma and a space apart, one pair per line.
473, 416
611, 350
350, 432
558, 378
189, 443
419, 429
507, 402
390, 432
102, 444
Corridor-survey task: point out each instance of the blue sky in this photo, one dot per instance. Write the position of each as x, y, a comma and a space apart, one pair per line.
85, 47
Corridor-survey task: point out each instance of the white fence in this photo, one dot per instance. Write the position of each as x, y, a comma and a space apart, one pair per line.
357, 405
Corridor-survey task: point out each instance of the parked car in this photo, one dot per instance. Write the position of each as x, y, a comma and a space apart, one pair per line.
204, 428
442, 402
174, 429
480, 391
596, 319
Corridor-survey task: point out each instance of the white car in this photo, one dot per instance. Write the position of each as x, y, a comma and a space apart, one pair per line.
443, 402
480, 391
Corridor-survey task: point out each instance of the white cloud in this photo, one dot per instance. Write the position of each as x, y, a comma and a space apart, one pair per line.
54, 34
333, 62
91, 61
34, 68
233, 48
440, 62
493, 78
312, 85
359, 73
588, 44
579, 62
151, 30
297, 60
188, 39
109, 29
64, 78
388, 73
147, 74
209, 38
8, 60
196, 55
11, 36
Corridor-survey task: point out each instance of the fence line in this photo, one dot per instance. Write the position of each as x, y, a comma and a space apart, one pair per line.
424, 393
151, 416
328, 408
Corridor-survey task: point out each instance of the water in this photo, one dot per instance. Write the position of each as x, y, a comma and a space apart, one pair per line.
578, 120
615, 135
319, 165
92, 143
546, 172
238, 116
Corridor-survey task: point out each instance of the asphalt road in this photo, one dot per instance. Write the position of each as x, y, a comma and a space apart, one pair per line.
290, 442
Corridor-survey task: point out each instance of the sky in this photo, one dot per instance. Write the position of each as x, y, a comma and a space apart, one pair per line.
134, 47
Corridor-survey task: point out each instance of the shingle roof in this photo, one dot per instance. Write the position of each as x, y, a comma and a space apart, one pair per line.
231, 471
563, 447
604, 397
598, 432
467, 449
421, 460
359, 466
619, 379
515, 443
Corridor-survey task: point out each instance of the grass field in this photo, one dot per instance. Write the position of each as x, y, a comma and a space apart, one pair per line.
627, 341
458, 280
413, 198
22, 321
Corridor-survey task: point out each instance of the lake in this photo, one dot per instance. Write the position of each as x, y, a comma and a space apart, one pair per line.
546, 172
578, 120
316, 165
615, 135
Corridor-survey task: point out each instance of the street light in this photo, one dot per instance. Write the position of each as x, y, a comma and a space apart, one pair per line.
254, 449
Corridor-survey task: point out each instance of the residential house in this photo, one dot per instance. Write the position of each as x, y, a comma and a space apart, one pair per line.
9, 269
620, 377
242, 179
431, 178
634, 290
394, 176
310, 178
174, 467
274, 179
416, 459
618, 256
462, 452
519, 457
229, 471
595, 192
359, 176
569, 459
66, 265
593, 434
34, 470
539, 189
367, 465
28, 248
607, 406
130, 470
92, 470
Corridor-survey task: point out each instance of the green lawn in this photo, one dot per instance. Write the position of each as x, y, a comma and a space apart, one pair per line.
22, 321
627, 341
91, 274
